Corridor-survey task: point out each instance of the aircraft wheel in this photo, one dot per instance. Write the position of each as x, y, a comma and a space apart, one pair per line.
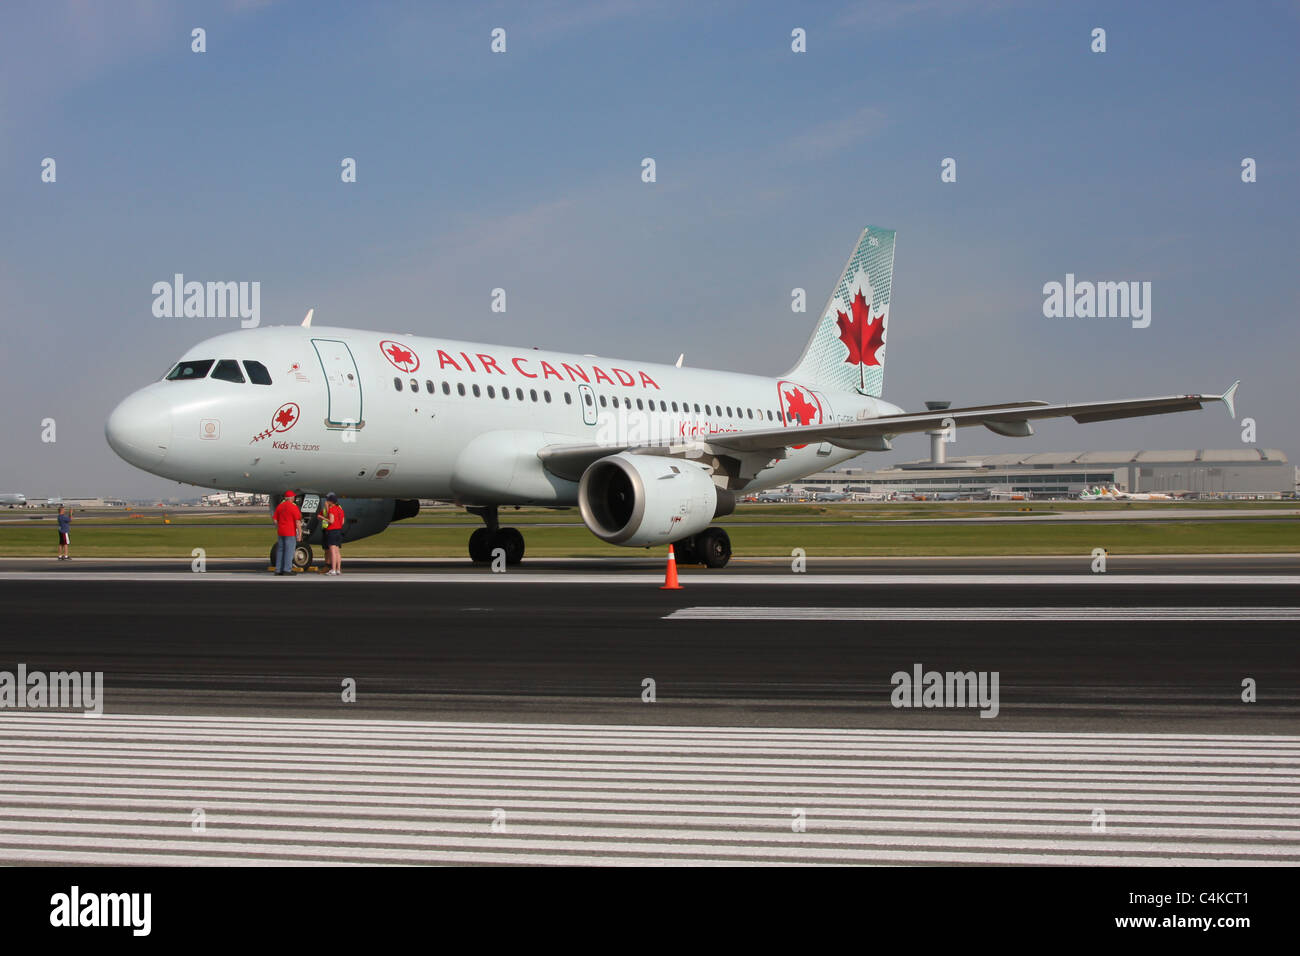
302, 556
510, 541
479, 550
713, 547
684, 551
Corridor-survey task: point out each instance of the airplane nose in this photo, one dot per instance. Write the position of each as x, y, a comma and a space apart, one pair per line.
139, 430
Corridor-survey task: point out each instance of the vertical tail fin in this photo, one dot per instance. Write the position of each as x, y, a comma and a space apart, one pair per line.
847, 348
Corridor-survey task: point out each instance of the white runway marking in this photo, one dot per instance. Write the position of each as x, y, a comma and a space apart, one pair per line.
689, 578
1088, 614
123, 790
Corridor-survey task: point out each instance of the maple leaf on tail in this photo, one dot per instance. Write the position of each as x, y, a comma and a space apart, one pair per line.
863, 336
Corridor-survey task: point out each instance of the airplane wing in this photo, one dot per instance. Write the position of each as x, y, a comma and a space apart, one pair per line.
1012, 418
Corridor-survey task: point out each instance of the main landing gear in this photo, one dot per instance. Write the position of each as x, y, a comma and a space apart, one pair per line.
711, 548
486, 540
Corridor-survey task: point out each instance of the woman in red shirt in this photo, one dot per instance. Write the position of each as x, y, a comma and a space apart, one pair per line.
334, 535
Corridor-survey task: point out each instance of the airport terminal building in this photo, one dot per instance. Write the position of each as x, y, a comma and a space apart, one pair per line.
1205, 472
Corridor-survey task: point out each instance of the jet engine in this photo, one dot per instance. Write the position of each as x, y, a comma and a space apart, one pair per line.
642, 500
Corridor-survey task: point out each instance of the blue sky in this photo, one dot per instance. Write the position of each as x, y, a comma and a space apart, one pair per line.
522, 170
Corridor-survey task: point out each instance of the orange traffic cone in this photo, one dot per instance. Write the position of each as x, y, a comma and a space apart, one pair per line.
670, 578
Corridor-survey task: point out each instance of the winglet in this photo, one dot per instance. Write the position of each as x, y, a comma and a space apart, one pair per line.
306, 323
680, 359
1229, 398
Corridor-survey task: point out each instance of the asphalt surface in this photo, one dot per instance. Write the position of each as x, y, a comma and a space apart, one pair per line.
510, 648
507, 718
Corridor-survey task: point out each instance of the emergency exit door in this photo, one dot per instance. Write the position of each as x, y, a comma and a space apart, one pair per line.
587, 399
342, 381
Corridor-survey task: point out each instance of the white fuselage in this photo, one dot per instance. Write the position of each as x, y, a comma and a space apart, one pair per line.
369, 414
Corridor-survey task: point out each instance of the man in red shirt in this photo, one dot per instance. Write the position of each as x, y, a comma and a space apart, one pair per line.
333, 521
288, 528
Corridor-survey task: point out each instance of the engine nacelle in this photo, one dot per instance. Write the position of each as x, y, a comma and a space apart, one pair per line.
643, 500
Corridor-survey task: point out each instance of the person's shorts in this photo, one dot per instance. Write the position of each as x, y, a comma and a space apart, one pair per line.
334, 539
63, 537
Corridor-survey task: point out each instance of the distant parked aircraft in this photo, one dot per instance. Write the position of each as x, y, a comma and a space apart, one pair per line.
1101, 493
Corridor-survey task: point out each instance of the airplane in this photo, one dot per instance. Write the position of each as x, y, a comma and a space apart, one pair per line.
775, 497
1114, 494
13, 501
650, 454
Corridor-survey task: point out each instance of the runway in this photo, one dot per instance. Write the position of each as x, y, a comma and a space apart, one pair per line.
614, 722
607, 568
219, 791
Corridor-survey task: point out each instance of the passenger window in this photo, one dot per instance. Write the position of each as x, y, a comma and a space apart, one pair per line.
519, 394
639, 406
749, 412
415, 386
476, 391
505, 393
587, 399
547, 396
492, 392
428, 386
190, 371
568, 399
728, 411
532, 392
697, 408
446, 388
227, 370
257, 373
460, 389
397, 384
674, 406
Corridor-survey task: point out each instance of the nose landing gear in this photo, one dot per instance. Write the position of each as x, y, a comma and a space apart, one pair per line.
301, 555
484, 542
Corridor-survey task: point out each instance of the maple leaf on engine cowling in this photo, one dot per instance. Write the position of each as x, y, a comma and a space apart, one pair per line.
862, 335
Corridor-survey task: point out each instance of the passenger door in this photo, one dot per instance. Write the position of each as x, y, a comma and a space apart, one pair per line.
342, 382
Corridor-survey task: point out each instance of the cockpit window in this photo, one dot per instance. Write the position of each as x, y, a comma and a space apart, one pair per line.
257, 373
190, 371
227, 370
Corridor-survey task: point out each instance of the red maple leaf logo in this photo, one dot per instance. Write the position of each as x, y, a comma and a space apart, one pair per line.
799, 409
399, 355
284, 417
863, 335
